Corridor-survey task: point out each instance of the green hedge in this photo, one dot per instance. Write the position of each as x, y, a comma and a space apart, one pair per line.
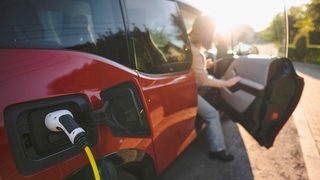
311, 55
292, 54
304, 52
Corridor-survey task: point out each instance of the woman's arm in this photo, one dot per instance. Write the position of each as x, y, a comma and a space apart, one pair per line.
199, 69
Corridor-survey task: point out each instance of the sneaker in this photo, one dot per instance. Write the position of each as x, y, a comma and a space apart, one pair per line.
221, 155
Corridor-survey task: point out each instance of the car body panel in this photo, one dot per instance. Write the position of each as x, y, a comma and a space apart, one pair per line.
172, 109
41, 74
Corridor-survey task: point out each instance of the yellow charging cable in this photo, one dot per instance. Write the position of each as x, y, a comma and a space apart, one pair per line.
93, 163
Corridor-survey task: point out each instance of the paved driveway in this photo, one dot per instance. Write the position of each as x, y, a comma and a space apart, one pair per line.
281, 162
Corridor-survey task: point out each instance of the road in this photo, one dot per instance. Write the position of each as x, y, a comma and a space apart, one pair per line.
281, 162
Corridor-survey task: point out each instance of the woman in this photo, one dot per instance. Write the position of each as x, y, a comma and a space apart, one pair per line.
201, 38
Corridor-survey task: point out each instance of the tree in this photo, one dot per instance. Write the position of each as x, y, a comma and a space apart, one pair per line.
296, 21
313, 14
307, 17
275, 31
301, 20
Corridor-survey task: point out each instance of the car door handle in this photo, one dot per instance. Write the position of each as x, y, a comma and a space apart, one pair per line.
248, 86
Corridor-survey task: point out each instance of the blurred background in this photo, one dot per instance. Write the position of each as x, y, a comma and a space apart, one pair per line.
259, 27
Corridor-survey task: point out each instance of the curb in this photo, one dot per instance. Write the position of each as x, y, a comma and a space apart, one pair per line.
309, 149
311, 154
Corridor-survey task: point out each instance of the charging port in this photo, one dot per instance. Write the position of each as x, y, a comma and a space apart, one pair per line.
33, 145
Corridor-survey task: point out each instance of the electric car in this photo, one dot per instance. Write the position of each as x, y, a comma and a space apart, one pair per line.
121, 68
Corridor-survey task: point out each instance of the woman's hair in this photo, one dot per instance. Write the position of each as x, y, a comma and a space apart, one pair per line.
202, 31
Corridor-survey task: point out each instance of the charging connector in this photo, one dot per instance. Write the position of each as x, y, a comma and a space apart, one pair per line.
62, 120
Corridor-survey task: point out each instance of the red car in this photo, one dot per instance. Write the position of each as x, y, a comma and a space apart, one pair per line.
122, 69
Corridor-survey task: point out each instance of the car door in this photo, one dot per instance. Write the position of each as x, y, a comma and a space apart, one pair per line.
264, 99
162, 58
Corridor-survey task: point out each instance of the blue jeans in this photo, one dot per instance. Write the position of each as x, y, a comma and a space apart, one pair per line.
214, 131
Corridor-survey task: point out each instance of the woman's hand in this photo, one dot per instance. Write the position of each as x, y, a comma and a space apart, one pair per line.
233, 81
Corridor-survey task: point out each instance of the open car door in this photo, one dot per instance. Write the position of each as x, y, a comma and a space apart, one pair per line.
264, 99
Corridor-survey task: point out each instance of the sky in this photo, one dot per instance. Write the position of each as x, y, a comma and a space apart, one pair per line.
256, 13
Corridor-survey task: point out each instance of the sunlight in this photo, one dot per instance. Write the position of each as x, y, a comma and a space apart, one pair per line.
256, 14
244, 22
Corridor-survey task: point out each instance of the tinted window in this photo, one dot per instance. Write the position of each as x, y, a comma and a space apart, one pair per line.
158, 36
93, 26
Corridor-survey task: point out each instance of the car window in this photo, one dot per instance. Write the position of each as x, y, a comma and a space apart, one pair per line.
93, 26
158, 36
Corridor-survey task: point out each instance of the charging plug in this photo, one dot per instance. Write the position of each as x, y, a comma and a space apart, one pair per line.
62, 120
